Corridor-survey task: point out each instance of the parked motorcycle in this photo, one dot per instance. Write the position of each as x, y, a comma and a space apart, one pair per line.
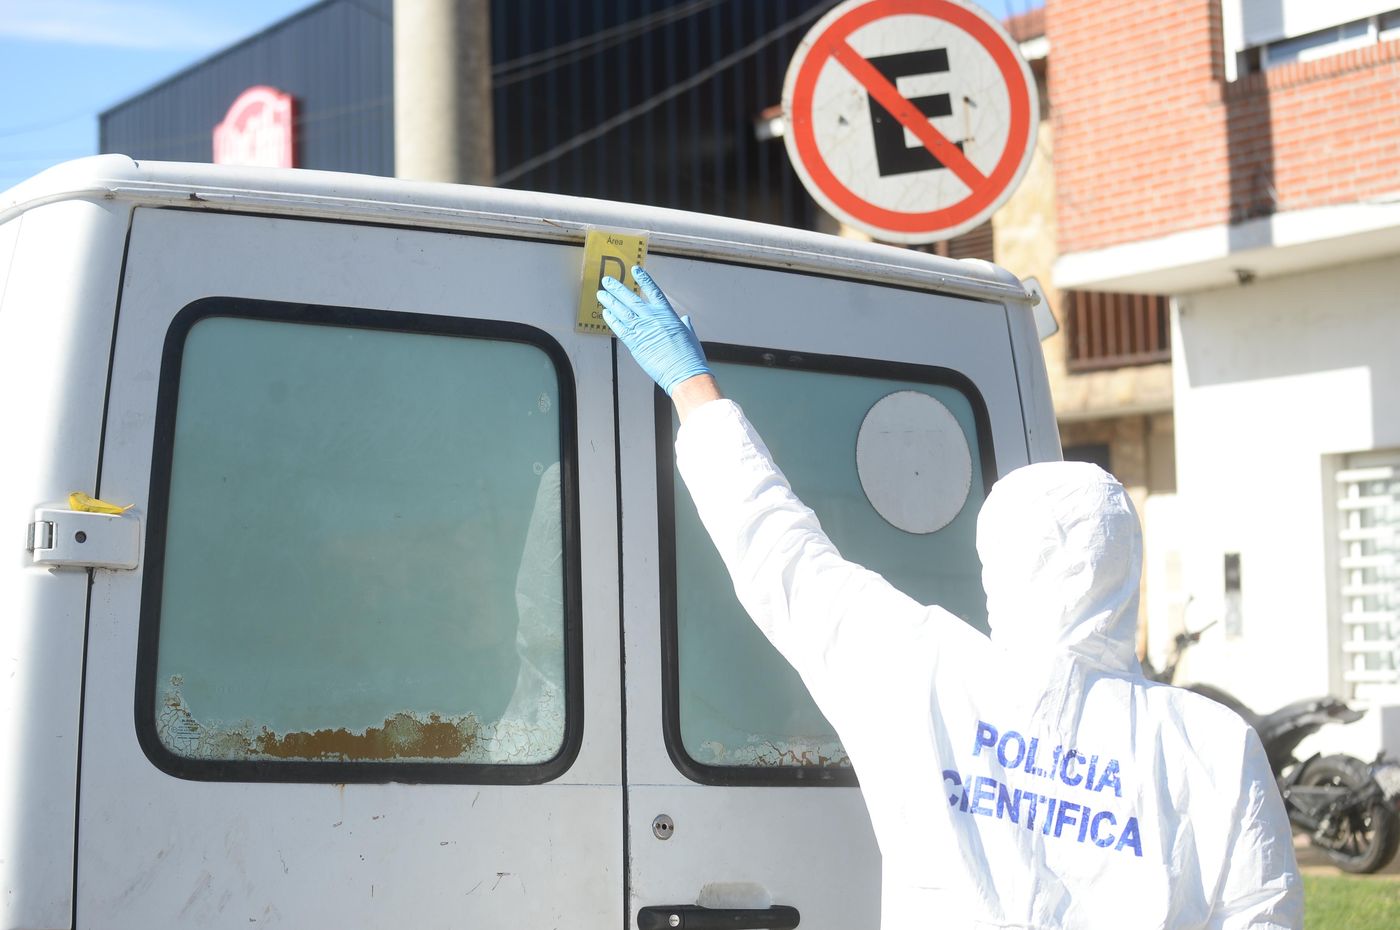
1349, 809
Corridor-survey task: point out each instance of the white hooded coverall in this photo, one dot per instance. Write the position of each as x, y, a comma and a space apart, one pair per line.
1033, 779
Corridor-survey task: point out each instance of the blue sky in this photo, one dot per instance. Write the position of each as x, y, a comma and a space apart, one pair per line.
64, 61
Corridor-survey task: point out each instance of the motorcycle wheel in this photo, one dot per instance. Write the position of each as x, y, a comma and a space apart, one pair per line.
1366, 839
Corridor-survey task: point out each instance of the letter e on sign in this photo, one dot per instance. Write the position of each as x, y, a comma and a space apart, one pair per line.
910, 119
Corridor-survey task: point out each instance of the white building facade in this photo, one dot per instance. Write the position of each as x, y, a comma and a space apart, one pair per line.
1251, 175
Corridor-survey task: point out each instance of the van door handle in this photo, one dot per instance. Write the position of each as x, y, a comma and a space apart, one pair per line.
694, 917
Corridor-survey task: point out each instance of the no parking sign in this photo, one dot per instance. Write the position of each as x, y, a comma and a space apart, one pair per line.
910, 119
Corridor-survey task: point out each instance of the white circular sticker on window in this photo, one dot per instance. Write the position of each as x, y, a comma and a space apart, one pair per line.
914, 462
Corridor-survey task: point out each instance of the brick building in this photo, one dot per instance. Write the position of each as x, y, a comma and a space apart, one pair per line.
1240, 157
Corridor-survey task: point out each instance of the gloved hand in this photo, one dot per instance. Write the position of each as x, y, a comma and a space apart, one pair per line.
661, 342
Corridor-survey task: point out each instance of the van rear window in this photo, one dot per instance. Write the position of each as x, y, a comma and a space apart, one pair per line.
360, 564
736, 712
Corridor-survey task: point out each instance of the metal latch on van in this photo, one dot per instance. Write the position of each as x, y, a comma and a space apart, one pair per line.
74, 539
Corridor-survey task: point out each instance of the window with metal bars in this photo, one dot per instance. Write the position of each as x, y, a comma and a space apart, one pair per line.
1113, 330
1368, 502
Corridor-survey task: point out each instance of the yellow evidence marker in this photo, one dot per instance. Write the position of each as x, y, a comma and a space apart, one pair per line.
86, 503
606, 253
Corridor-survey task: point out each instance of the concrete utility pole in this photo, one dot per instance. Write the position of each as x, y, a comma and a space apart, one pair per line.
442, 91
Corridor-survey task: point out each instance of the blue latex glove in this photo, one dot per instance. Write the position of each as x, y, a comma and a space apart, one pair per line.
662, 343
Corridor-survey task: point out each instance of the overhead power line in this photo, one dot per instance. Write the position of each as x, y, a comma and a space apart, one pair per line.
47, 124
533, 64
359, 111
377, 14
546, 60
675, 90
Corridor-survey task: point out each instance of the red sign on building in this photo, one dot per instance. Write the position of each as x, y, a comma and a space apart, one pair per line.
257, 130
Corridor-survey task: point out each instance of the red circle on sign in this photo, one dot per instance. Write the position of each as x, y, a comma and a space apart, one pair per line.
982, 196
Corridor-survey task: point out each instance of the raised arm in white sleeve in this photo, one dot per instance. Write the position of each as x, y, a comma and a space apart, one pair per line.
834, 621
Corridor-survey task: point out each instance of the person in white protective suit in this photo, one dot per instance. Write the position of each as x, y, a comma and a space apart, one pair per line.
1030, 779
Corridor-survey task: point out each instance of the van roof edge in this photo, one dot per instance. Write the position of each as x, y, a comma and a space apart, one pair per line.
366, 198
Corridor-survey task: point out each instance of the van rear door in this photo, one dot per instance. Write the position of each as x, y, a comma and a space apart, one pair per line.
348, 685
891, 410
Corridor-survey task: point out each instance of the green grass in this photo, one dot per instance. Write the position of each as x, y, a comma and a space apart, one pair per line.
1350, 903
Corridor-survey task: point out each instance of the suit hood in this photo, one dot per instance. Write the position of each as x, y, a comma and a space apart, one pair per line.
1061, 550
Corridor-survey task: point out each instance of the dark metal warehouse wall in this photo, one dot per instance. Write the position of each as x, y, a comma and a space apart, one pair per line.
652, 101
335, 58
684, 82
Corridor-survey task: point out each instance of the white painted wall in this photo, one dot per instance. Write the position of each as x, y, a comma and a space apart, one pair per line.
1272, 381
1254, 22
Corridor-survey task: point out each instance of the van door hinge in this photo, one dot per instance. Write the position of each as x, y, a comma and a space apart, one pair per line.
76, 539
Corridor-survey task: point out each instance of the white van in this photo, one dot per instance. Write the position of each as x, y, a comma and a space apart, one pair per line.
409, 623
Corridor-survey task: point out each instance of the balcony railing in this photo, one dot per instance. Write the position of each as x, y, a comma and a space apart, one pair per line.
1114, 330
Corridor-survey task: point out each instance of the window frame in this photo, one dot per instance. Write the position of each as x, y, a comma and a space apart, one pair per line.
773, 776
1328, 41
152, 582
1351, 679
